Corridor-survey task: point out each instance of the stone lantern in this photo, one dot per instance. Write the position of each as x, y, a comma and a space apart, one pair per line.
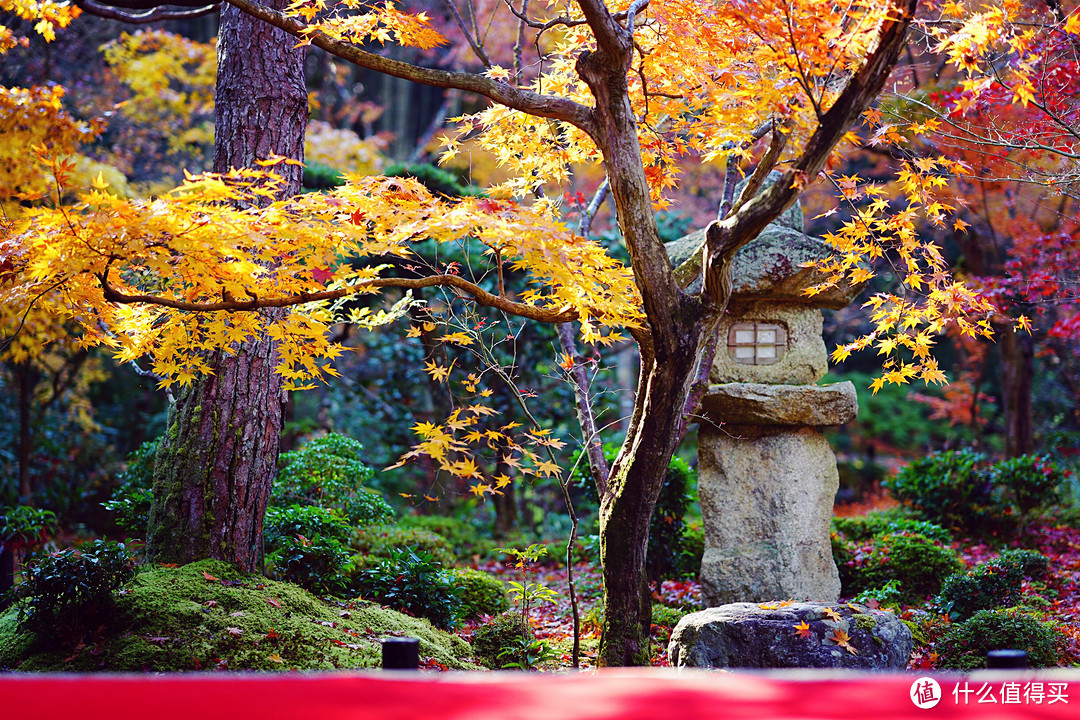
767, 477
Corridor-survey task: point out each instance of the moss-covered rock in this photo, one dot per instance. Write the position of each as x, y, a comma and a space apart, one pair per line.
208, 615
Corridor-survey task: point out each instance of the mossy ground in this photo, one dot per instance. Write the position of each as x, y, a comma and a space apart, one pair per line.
207, 615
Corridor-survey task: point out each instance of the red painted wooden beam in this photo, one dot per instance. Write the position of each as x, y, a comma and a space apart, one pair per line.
607, 695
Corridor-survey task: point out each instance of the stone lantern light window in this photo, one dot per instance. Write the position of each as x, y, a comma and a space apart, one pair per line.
757, 343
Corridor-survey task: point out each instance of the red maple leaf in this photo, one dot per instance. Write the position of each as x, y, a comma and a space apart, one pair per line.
322, 275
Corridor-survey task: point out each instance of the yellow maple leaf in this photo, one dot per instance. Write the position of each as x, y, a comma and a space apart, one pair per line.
437, 372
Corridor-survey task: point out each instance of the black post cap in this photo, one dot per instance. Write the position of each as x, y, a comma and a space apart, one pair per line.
1000, 659
400, 653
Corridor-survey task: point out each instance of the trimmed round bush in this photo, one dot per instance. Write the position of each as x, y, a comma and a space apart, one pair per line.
964, 645
951, 489
306, 520
501, 633
307, 546
463, 538
988, 586
994, 584
382, 540
863, 527
1033, 564
919, 563
328, 472
1031, 481
480, 593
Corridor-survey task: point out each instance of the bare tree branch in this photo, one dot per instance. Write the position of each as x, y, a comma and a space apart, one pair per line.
527, 101
590, 436
151, 11
481, 296
764, 167
473, 42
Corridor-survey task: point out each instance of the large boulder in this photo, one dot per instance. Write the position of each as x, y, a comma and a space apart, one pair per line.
791, 635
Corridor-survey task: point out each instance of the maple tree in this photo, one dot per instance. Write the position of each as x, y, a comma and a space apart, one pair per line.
1005, 109
230, 282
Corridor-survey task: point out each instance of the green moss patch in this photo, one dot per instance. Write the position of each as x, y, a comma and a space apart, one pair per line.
209, 616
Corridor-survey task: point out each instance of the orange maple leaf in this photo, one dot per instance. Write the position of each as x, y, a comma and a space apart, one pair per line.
841, 638
831, 614
803, 630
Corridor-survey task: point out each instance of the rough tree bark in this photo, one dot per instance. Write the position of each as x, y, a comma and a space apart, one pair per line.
216, 464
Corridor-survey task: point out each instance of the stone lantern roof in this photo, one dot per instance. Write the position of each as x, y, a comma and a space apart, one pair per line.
770, 267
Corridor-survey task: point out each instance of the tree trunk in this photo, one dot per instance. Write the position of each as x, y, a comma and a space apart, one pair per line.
633, 488
216, 464
1017, 369
27, 379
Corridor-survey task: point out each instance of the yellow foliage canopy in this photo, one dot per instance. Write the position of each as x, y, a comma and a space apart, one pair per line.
144, 277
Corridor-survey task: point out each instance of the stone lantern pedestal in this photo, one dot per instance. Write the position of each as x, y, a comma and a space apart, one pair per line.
767, 477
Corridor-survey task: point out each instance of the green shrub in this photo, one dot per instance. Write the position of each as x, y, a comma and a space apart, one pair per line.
986, 587
306, 520
318, 176
316, 564
134, 491
1033, 564
481, 594
434, 178
667, 616
25, 527
413, 582
67, 593
950, 489
328, 472
688, 563
964, 645
307, 547
1030, 481
382, 540
993, 584
860, 528
493, 638
887, 595
917, 561
464, 540
667, 527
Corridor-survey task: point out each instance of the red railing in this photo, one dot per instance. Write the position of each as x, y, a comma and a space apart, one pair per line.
607, 695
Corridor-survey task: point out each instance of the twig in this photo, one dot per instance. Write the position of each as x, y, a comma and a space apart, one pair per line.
152, 13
